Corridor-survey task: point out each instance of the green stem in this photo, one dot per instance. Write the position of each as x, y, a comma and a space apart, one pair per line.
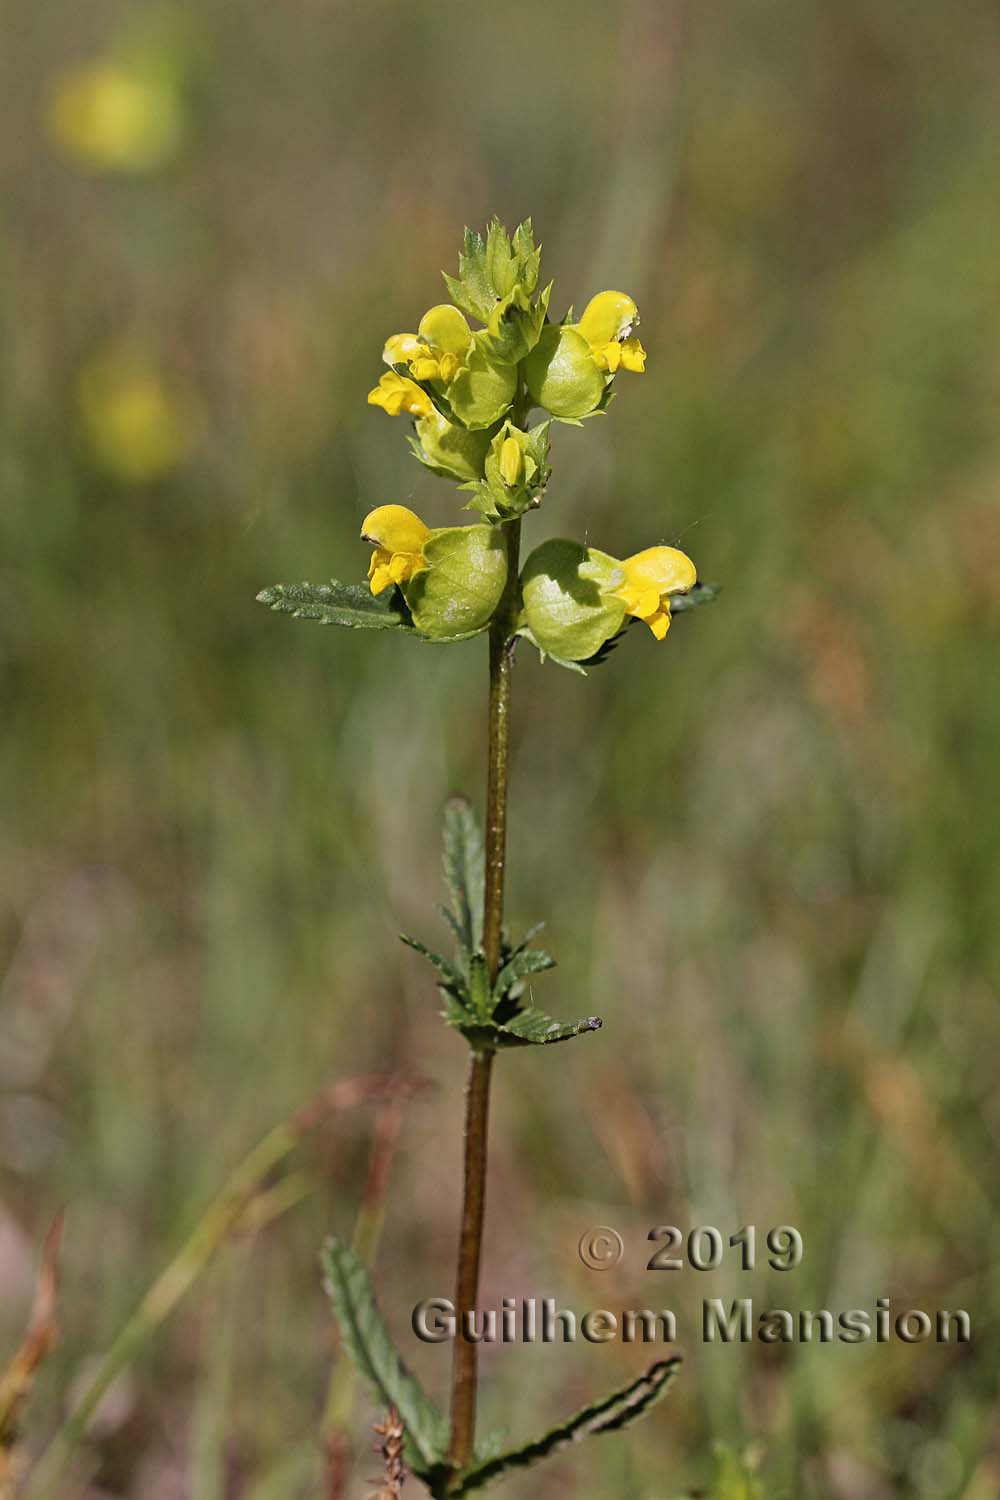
477, 1098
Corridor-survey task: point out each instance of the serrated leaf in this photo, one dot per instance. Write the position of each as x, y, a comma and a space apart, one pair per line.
532, 932
366, 1340
335, 603
499, 264
526, 961
465, 870
450, 918
472, 291
610, 1414
455, 1013
529, 258
533, 1028
453, 981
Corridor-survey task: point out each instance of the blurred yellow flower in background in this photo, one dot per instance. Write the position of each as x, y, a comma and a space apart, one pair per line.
137, 427
116, 117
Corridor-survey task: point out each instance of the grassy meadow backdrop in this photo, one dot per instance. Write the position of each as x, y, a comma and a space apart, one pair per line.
767, 852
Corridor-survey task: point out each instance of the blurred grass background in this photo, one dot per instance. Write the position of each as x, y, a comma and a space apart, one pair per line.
767, 852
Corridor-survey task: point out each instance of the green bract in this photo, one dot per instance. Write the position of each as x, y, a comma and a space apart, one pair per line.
490, 269
566, 609
461, 587
562, 375
515, 325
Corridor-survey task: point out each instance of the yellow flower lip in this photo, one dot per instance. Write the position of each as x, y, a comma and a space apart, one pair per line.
607, 324
402, 348
648, 580
394, 528
444, 328
395, 394
608, 318
438, 349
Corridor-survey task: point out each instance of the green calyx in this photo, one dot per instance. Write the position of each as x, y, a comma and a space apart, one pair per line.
457, 592
563, 377
568, 609
453, 452
482, 391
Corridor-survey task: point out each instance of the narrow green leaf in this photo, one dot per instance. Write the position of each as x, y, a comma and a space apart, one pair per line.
367, 1341
532, 932
465, 870
335, 603
533, 1028
453, 980
456, 1013
450, 918
610, 1414
519, 966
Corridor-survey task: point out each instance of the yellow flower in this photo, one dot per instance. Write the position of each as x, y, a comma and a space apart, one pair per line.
607, 324
650, 578
438, 349
137, 426
394, 393
115, 117
398, 537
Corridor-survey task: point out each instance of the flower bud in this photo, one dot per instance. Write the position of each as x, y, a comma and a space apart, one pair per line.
511, 462
515, 473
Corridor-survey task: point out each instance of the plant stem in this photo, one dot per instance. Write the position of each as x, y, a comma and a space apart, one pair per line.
477, 1097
